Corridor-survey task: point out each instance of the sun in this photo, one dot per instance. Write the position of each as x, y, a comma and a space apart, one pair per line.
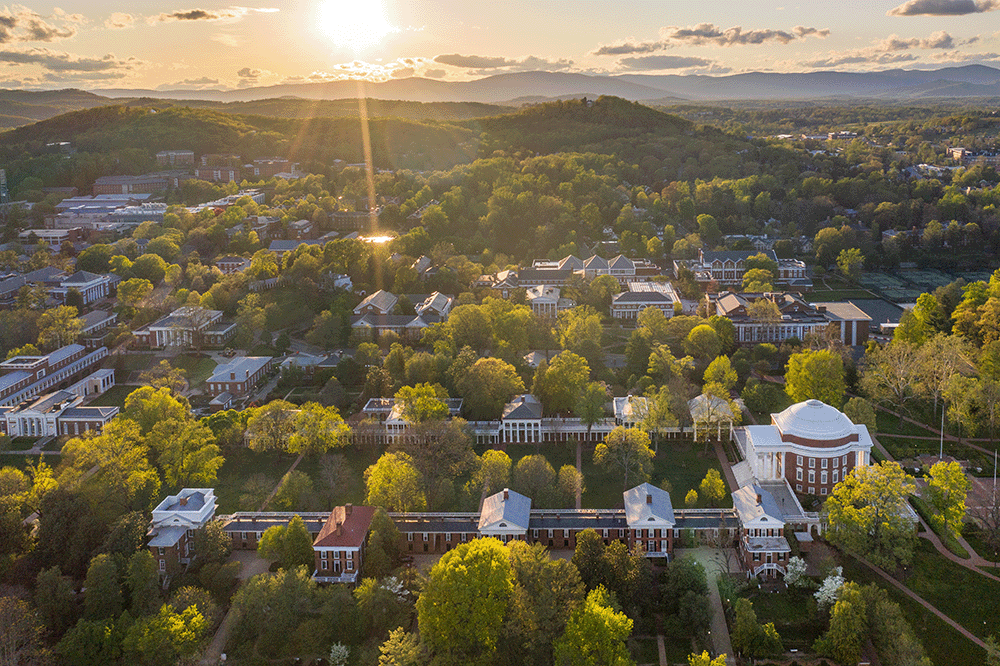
354, 24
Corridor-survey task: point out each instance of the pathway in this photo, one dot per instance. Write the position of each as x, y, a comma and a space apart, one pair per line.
719, 632
727, 469
661, 649
276, 487
253, 565
35, 449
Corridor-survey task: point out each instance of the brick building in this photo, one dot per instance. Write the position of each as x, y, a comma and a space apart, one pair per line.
53, 415
174, 523
24, 377
175, 157
239, 376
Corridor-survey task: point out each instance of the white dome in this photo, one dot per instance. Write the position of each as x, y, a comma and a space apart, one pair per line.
814, 420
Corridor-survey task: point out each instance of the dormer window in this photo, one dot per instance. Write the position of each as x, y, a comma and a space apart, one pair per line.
650, 519
503, 524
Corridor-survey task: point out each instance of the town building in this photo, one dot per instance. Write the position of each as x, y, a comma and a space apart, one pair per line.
96, 326
91, 287
175, 521
791, 317
54, 237
230, 264
435, 307
54, 415
24, 377
218, 174
409, 327
145, 184
726, 267
546, 302
811, 446
300, 229
642, 295
380, 302
175, 157
630, 410
340, 546
763, 547
238, 377
188, 326
282, 247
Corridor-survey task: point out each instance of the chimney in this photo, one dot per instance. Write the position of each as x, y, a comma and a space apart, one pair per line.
183, 501
759, 498
340, 529
348, 508
232, 376
649, 499
247, 374
506, 494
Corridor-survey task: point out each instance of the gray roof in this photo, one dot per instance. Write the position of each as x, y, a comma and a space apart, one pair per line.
388, 321
749, 509
846, 311
736, 255
647, 504
571, 263
515, 511
90, 413
621, 261
64, 352
594, 262
241, 366
641, 297
81, 277
167, 536
195, 501
381, 300
524, 406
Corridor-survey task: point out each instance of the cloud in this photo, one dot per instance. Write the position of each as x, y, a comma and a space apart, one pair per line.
403, 73
943, 7
119, 20
856, 58
709, 33
435, 73
228, 14
190, 84
654, 62
629, 47
25, 25
488, 63
937, 40
61, 61
225, 40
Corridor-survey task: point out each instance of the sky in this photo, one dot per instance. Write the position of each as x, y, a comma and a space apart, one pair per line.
164, 44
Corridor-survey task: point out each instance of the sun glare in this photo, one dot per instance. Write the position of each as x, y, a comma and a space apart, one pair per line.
355, 24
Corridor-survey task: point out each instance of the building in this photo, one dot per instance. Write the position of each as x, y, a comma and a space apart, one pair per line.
54, 237
186, 327
727, 267
630, 410
791, 317
175, 520
268, 166
379, 303
300, 229
763, 548
54, 415
96, 325
136, 215
91, 287
282, 247
811, 446
24, 377
410, 327
218, 174
435, 307
239, 376
146, 184
231, 264
642, 295
340, 546
344, 220
546, 302
175, 157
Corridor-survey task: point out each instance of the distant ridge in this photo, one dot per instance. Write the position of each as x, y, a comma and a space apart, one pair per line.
518, 87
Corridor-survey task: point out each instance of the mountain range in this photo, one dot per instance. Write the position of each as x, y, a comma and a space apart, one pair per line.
517, 87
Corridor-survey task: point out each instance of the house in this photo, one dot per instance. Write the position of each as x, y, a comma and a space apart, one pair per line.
642, 295
24, 377
186, 327
340, 546
330, 281
90, 286
149, 183
410, 327
230, 264
96, 325
763, 548
726, 267
791, 317
175, 157
282, 247
53, 415
218, 174
631, 410
649, 515
175, 520
847, 319
504, 282
435, 307
505, 515
811, 446
300, 229
710, 412
10, 286
545, 301
379, 303
239, 376
522, 420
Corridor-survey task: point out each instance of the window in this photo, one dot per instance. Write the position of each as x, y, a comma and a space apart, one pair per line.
465, 536
163, 565
812, 462
812, 491
812, 476
534, 534
822, 477
409, 536
350, 554
425, 536
836, 475
822, 491
798, 460
823, 463
844, 461
447, 536
798, 487
605, 534
798, 474
162, 550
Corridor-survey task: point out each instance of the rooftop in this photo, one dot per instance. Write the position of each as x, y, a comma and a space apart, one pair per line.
346, 527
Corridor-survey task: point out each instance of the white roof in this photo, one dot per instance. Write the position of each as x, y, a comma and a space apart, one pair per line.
750, 510
631, 407
646, 506
505, 512
815, 420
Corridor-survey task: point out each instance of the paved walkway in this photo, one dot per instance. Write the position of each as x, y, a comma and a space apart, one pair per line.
727, 469
661, 649
719, 634
253, 565
278, 485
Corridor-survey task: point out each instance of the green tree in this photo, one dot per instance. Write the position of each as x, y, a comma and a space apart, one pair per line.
401, 649
626, 449
394, 484
705, 659
143, 583
861, 412
317, 429
850, 261
487, 386
463, 606
712, 487
579, 331
21, 638
381, 547
55, 600
816, 374
847, 632
212, 544
295, 491
58, 327
947, 488
720, 371
757, 281
703, 342
290, 545
891, 375
750, 638
166, 638
493, 473
559, 383
104, 591
421, 403
134, 292
868, 514
190, 457
595, 634
271, 426
535, 477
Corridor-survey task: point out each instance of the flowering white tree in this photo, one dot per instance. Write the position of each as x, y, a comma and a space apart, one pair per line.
339, 654
796, 572
828, 592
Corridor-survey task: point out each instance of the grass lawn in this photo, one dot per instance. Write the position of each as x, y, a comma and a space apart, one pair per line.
129, 363
240, 466
682, 463
890, 425
54, 445
198, 368
793, 612
943, 644
21, 443
114, 396
23, 462
975, 539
